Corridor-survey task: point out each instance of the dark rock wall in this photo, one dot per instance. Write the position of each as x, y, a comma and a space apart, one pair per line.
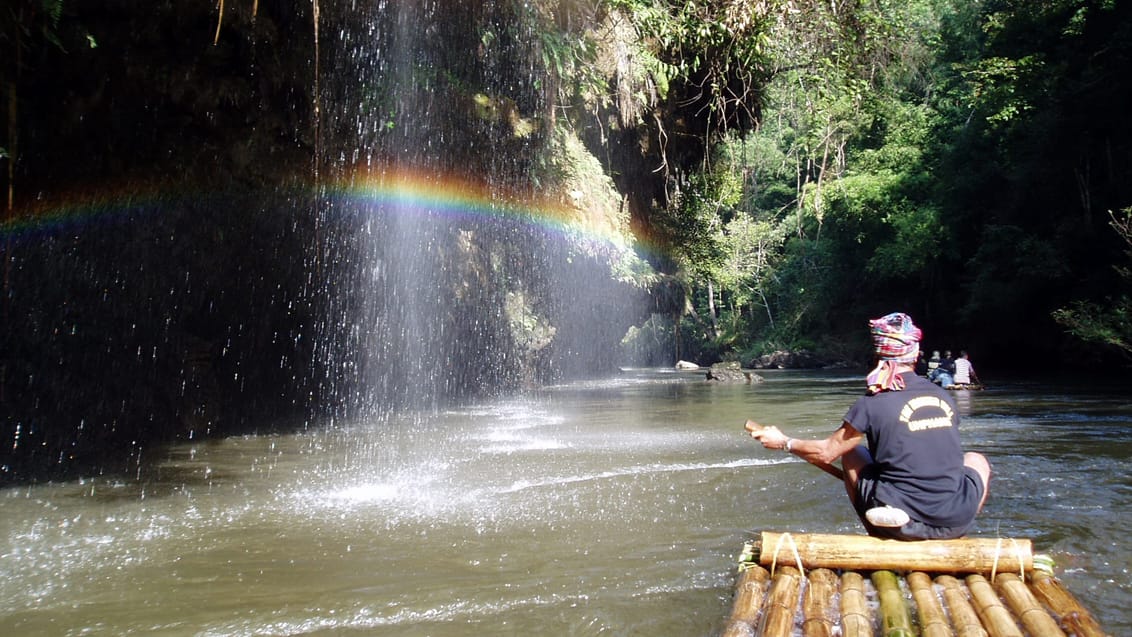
185, 257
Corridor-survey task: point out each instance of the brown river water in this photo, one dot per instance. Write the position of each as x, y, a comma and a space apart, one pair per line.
608, 507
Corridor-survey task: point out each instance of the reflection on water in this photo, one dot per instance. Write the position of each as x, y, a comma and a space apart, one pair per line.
609, 507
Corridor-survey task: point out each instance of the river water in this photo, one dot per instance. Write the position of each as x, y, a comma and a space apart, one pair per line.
611, 507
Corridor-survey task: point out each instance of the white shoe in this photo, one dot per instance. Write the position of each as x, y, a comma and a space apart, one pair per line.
887, 516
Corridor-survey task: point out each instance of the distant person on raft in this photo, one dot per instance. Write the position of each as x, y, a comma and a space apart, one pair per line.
965, 371
913, 481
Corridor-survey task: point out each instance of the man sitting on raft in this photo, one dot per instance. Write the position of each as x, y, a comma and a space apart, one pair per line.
913, 481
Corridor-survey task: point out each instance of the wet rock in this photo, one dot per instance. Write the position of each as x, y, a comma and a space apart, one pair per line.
801, 359
731, 372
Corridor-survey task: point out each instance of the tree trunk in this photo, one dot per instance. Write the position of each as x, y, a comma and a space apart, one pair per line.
711, 308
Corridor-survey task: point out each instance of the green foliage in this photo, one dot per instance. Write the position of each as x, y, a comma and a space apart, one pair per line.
26, 21
1108, 323
1031, 152
917, 240
994, 85
828, 198
849, 183
895, 236
714, 52
1010, 274
651, 344
696, 225
949, 158
565, 54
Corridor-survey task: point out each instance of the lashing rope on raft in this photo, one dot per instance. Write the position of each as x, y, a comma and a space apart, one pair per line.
1017, 554
794, 547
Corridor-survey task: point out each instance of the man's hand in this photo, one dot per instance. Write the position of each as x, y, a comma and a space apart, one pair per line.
770, 436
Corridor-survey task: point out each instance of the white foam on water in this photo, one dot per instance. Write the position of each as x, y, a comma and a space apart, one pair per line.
522, 485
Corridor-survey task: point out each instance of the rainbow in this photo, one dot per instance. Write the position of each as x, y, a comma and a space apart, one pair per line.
404, 191
458, 198
72, 212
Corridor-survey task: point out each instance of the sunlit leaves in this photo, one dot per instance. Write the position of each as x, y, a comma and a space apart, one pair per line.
917, 239
752, 251
1108, 323
715, 51
995, 86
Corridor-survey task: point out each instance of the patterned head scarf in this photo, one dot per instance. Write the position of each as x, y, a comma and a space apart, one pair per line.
896, 340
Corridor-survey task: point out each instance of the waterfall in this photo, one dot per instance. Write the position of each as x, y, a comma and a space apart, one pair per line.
316, 211
457, 268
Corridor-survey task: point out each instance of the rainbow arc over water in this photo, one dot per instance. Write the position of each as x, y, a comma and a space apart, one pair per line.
458, 198
397, 191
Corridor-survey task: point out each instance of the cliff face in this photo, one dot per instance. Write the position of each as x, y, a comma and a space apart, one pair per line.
245, 223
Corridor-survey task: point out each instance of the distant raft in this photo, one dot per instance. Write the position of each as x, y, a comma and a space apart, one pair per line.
856, 586
966, 386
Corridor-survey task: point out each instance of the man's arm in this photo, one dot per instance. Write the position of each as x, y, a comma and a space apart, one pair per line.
820, 453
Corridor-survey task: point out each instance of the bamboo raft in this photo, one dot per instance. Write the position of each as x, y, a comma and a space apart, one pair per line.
856, 586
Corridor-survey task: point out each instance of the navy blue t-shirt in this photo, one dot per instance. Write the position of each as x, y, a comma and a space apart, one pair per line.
913, 435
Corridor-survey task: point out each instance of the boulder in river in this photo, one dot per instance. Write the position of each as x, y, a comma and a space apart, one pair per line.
730, 372
801, 359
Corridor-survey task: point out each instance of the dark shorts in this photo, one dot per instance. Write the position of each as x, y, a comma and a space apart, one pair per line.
915, 529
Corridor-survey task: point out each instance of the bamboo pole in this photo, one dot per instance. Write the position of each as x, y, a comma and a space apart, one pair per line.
1072, 616
859, 552
855, 619
933, 623
1035, 618
996, 617
818, 617
895, 618
750, 590
781, 603
964, 618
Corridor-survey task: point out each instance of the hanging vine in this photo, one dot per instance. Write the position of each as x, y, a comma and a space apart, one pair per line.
220, 18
